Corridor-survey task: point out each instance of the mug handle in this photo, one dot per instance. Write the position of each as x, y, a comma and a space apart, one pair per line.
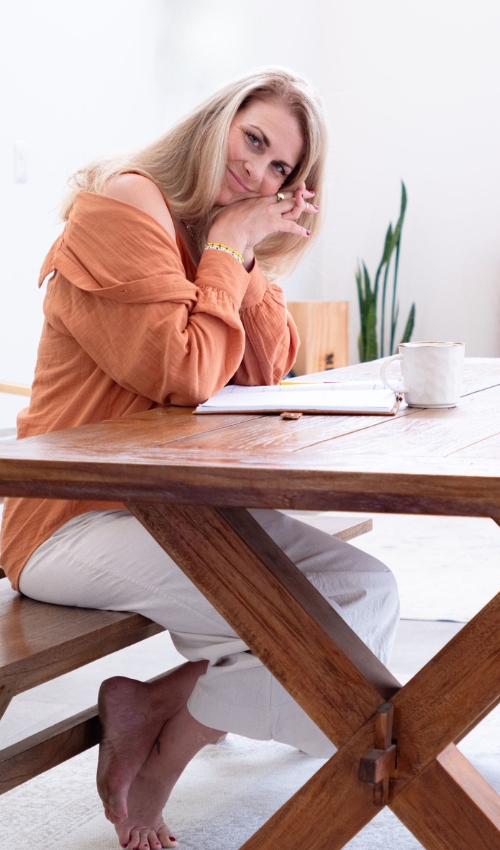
385, 379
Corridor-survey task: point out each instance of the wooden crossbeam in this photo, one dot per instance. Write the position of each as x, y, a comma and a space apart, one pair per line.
446, 696
336, 679
378, 766
329, 810
52, 746
332, 674
450, 806
47, 749
15, 389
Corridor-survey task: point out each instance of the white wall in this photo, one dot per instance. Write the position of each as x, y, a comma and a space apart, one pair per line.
81, 79
77, 81
411, 91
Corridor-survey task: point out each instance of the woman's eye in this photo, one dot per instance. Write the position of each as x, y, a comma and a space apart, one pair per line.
279, 168
254, 140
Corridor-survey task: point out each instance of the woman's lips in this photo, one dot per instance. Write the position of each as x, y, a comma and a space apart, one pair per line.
239, 183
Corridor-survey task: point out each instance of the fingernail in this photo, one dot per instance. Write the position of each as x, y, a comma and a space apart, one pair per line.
311, 192
308, 232
314, 207
172, 838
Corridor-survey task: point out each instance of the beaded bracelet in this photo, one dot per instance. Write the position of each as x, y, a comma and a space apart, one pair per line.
219, 246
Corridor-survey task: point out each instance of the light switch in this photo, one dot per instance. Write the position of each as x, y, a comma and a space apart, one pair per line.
20, 162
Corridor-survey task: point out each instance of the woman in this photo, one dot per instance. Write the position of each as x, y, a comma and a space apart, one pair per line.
157, 296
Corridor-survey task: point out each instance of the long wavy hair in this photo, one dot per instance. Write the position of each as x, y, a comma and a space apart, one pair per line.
188, 162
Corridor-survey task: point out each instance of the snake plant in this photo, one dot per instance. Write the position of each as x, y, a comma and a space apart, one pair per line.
369, 346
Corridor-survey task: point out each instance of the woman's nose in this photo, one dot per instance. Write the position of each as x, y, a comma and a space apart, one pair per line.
255, 170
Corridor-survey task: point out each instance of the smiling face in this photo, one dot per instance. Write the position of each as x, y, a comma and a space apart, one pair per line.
265, 144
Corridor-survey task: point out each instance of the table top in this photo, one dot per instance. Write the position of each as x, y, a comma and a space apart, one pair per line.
420, 461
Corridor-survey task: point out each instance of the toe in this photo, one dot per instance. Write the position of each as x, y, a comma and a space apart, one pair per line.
124, 834
144, 840
166, 836
154, 841
134, 840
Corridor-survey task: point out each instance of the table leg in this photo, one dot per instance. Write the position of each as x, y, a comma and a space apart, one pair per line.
273, 607
338, 681
450, 806
460, 683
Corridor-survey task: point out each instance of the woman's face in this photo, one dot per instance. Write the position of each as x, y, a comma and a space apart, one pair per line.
265, 144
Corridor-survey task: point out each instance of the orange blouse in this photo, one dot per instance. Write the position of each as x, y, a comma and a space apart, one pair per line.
130, 324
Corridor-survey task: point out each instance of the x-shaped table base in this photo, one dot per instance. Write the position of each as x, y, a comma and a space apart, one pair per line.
353, 698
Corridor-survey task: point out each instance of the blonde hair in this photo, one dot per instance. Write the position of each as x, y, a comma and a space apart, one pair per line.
188, 162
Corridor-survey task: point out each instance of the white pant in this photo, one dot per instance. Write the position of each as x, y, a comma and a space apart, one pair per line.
106, 559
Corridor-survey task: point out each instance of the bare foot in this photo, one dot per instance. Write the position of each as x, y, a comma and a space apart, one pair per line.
180, 739
132, 715
144, 838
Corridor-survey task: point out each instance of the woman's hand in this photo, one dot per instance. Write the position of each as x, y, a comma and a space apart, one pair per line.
244, 224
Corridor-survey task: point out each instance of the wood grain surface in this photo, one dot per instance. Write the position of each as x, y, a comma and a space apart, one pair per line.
272, 606
40, 641
323, 328
188, 479
421, 461
450, 806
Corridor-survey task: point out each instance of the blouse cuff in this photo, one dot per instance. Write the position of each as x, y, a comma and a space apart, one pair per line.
219, 270
256, 288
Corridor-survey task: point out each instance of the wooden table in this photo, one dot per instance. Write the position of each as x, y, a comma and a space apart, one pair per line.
189, 479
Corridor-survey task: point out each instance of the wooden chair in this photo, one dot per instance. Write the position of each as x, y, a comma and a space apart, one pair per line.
39, 642
15, 389
323, 328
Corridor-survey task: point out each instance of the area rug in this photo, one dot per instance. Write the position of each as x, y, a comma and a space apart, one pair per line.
224, 795
447, 568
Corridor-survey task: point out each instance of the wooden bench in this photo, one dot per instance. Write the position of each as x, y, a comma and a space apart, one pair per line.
39, 642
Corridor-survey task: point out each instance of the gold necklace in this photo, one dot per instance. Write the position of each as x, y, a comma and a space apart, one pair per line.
192, 244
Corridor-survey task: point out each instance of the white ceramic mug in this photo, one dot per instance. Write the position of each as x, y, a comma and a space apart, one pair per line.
432, 373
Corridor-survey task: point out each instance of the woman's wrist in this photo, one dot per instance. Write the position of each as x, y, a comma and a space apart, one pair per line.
220, 246
228, 236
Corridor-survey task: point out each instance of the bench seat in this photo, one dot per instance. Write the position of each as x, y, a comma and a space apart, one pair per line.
39, 642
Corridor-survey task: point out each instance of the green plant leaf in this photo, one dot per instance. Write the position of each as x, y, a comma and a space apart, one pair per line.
368, 344
386, 256
389, 245
361, 348
402, 211
393, 328
382, 312
409, 325
397, 238
367, 340
371, 348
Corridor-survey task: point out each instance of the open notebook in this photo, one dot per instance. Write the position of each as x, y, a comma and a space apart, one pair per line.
299, 395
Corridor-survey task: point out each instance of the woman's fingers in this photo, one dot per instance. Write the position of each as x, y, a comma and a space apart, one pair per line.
299, 206
285, 203
298, 202
288, 226
246, 223
303, 196
293, 203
